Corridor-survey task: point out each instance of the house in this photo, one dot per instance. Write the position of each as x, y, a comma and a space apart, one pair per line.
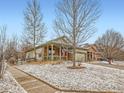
93, 52
57, 49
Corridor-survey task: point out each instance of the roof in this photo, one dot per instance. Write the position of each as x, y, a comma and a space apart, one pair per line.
60, 40
63, 40
93, 46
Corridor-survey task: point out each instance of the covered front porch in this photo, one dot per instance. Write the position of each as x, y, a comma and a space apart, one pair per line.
54, 52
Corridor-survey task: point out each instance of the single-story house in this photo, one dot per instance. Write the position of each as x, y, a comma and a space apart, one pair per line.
57, 49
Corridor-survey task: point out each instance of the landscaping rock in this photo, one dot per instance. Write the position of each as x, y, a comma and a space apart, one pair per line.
91, 78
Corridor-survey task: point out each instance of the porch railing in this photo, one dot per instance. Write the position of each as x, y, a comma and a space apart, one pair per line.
55, 58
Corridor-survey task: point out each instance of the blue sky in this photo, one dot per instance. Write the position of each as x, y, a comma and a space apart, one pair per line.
11, 14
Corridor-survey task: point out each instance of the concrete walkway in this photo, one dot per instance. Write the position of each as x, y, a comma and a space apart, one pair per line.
29, 83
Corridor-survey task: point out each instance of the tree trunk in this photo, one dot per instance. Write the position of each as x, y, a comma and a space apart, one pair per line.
0, 70
110, 60
74, 33
3, 67
35, 55
74, 51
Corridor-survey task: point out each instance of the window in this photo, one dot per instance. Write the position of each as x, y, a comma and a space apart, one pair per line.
39, 55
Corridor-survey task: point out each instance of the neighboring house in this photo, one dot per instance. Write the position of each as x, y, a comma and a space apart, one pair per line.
57, 49
93, 53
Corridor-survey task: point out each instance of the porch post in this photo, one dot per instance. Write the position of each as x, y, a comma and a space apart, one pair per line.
60, 52
47, 51
52, 52
67, 54
92, 56
85, 57
43, 54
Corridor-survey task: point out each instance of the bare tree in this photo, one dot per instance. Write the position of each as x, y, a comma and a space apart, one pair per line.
2, 41
76, 19
11, 52
34, 26
23, 47
111, 44
2, 49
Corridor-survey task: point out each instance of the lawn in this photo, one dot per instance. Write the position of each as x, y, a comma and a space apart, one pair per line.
90, 78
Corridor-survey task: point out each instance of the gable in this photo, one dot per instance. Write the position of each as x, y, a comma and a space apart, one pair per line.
60, 40
92, 48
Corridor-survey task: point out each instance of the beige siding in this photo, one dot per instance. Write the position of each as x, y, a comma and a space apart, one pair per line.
80, 55
30, 54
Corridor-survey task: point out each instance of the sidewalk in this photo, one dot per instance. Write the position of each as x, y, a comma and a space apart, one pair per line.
29, 83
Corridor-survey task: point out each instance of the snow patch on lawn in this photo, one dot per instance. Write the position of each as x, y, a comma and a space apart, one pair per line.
93, 77
118, 63
121, 63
